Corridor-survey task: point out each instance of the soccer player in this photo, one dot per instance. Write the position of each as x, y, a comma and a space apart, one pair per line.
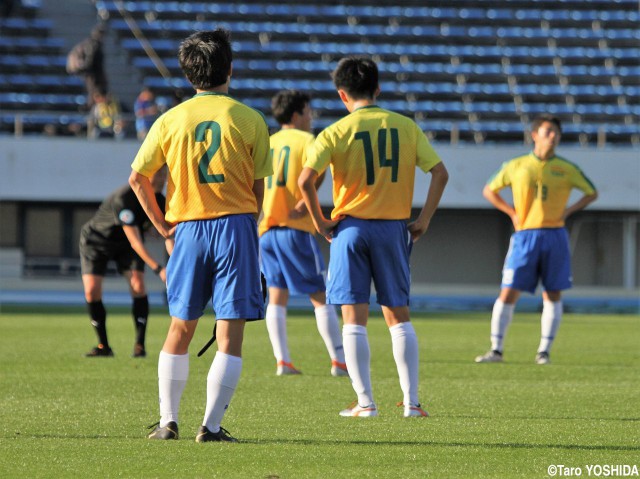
373, 154
217, 151
541, 182
291, 257
116, 232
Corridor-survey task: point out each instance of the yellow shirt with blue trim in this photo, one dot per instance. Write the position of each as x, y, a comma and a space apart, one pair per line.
215, 147
540, 188
281, 193
373, 154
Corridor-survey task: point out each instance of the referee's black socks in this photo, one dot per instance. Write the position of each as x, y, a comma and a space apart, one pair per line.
140, 311
98, 316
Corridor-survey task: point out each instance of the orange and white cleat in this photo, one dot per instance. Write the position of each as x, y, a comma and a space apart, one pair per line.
286, 369
338, 369
355, 410
413, 410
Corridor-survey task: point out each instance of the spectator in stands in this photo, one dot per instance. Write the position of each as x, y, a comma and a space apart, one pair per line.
373, 155
116, 232
290, 256
105, 120
86, 59
146, 111
541, 183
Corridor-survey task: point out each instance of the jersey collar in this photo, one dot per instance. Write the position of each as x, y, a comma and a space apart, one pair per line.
540, 159
207, 93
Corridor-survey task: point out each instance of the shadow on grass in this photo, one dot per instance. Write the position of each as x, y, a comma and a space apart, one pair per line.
313, 442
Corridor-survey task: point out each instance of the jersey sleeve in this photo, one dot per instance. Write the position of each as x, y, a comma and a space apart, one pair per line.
500, 179
319, 153
150, 157
426, 156
583, 183
124, 210
263, 166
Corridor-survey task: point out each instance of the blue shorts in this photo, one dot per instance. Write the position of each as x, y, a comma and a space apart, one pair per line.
216, 258
538, 254
291, 259
365, 250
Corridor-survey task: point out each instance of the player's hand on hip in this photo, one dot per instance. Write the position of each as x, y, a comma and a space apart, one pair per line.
326, 227
417, 229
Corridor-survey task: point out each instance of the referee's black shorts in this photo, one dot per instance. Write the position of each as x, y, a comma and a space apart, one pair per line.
95, 253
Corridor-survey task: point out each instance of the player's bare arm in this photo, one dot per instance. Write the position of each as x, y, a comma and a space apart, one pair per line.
581, 204
307, 184
135, 240
499, 203
439, 179
143, 189
258, 191
300, 209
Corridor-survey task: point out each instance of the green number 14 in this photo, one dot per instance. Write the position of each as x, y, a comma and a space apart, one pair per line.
383, 161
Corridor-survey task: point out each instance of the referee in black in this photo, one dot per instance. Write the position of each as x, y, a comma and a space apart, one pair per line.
116, 232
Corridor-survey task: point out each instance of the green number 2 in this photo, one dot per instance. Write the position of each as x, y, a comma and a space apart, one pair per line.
383, 161
203, 165
282, 168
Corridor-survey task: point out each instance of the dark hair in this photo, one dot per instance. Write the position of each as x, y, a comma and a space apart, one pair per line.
205, 58
540, 119
287, 102
358, 76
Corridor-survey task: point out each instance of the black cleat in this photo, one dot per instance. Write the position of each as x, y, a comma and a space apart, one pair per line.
170, 431
139, 351
204, 435
100, 351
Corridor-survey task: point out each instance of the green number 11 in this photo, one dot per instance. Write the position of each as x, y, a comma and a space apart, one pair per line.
383, 161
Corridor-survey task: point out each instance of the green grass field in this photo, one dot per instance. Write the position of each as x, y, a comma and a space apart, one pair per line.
63, 415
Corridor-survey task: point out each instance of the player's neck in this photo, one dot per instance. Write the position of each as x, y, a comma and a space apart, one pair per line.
543, 154
357, 104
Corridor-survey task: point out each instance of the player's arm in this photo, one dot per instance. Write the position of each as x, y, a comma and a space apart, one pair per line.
135, 240
169, 243
258, 191
499, 203
146, 196
439, 179
307, 185
300, 209
580, 205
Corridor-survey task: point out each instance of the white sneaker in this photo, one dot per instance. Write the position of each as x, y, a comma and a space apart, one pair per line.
413, 410
286, 369
543, 358
490, 357
338, 369
355, 410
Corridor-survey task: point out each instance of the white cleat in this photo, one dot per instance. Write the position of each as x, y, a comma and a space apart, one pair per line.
543, 358
490, 357
355, 410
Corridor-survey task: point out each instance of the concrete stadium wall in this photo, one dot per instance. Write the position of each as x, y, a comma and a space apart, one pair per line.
466, 242
59, 169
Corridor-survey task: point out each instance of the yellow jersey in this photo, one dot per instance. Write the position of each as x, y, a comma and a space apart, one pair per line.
281, 192
373, 154
541, 189
215, 147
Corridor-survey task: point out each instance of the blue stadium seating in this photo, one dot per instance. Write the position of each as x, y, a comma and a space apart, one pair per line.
480, 68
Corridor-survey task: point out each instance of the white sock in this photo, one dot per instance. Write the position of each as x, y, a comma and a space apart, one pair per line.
222, 380
358, 357
173, 371
329, 329
405, 352
276, 319
550, 322
500, 321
